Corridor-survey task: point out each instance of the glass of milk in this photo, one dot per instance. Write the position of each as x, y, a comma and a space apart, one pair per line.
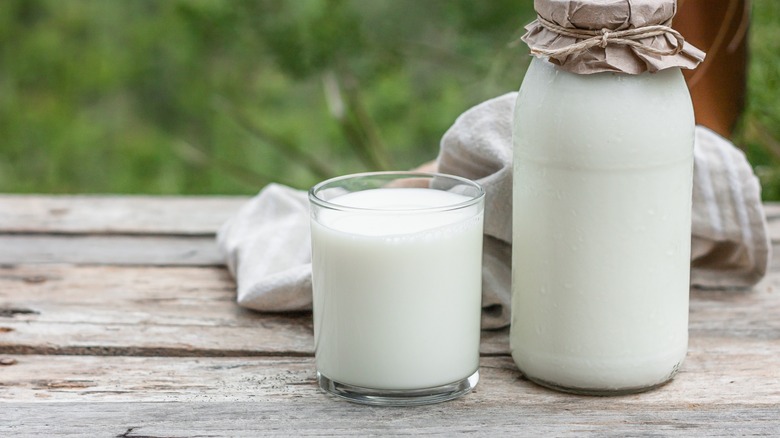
397, 281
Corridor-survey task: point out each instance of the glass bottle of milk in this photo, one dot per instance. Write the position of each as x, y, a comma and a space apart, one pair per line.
603, 162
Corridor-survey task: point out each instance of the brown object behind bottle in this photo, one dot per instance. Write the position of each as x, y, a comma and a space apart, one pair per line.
719, 27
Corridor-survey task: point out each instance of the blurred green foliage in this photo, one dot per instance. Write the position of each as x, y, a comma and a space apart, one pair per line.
759, 130
219, 96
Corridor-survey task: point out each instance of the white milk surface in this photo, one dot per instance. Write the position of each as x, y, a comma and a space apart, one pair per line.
397, 295
601, 228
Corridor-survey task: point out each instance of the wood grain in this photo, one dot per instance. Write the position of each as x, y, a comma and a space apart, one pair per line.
137, 230
714, 394
772, 211
85, 214
150, 311
711, 375
117, 214
109, 250
138, 334
185, 311
306, 417
127, 214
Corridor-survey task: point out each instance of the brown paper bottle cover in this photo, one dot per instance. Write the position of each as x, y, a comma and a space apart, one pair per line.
625, 36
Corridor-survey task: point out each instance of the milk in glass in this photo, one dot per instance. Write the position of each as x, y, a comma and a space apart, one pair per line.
397, 288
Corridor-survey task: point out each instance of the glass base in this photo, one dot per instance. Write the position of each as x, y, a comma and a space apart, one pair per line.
398, 397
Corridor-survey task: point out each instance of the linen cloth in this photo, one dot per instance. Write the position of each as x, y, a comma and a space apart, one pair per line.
267, 243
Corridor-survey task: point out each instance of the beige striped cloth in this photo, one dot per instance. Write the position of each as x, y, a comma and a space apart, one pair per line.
266, 244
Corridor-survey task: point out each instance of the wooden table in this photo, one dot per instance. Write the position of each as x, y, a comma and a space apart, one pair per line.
117, 318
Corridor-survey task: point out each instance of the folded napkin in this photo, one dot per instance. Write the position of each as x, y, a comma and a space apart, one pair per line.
267, 243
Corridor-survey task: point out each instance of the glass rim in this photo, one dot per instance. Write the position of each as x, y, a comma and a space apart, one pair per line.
318, 201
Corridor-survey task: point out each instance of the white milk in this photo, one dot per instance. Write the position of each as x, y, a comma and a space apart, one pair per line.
397, 295
601, 231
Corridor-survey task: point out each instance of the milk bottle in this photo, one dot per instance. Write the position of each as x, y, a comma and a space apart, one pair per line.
602, 213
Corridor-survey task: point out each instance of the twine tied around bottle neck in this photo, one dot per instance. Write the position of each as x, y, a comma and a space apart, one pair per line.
604, 37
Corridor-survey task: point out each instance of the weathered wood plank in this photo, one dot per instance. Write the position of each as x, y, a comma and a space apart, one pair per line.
182, 339
138, 311
772, 211
745, 373
150, 250
174, 311
715, 393
739, 314
90, 214
110, 250
304, 418
111, 310
131, 230
127, 214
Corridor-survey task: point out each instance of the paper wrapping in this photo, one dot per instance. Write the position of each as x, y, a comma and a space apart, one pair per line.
614, 15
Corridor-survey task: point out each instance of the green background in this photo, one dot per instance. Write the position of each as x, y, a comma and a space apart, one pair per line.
217, 96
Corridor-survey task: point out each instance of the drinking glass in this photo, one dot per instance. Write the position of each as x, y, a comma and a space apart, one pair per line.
397, 280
